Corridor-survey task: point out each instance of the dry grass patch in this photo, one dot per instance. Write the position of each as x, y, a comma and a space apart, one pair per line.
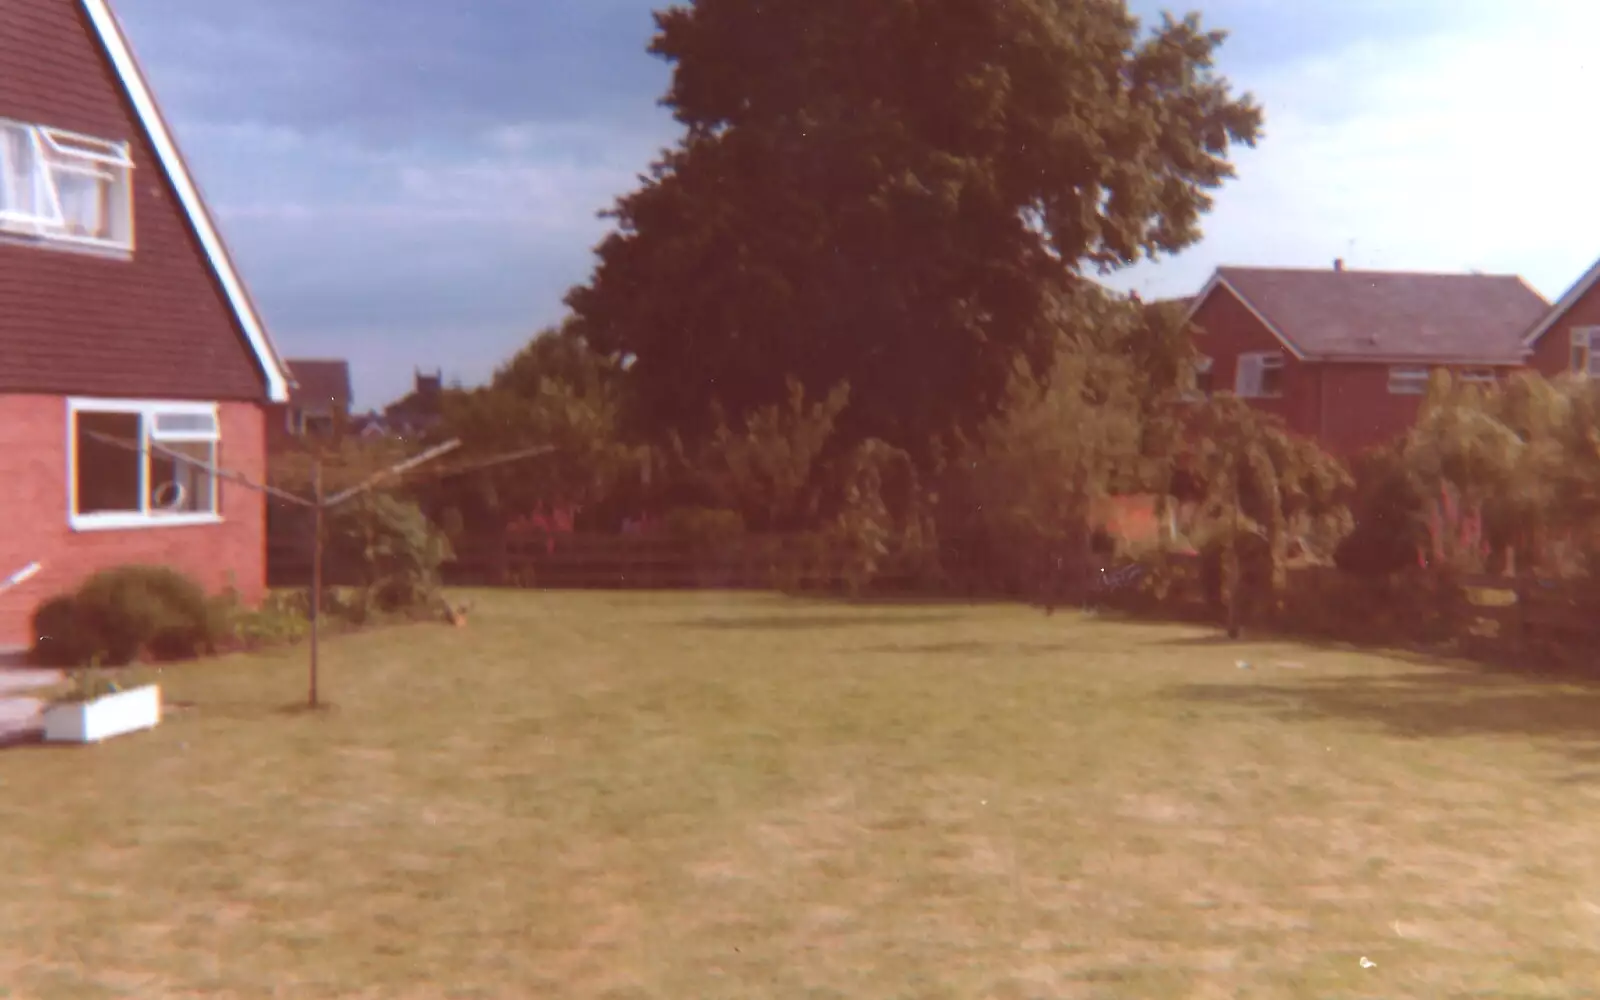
616, 796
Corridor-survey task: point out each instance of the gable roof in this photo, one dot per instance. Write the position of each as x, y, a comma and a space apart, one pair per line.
1563, 304
320, 381
1345, 315
115, 44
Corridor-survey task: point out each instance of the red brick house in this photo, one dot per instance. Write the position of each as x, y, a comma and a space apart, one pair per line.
1344, 356
1567, 338
123, 317
318, 406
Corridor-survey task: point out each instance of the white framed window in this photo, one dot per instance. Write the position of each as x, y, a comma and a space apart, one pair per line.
1407, 380
1477, 376
131, 463
1586, 350
62, 187
1259, 375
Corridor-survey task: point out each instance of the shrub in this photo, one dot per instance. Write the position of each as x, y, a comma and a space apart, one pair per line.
280, 619
125, 613
397, 552
265, 628
1388, 508
60, 637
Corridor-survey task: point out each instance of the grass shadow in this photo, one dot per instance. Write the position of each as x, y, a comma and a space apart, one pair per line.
805, 623
1220, 639
1422, 705
892, 600
22, 738
969, 648
249, 711
1466, 653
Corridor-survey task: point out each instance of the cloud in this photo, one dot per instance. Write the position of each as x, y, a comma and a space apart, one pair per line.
399, 68
416, 182
1450, 151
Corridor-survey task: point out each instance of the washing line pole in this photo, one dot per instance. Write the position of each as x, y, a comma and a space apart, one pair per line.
320, 503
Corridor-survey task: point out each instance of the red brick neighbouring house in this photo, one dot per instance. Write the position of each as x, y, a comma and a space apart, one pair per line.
1344, 356
123, 317
1567, 338
318, 406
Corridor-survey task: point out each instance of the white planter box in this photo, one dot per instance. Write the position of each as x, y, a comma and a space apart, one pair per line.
111, 715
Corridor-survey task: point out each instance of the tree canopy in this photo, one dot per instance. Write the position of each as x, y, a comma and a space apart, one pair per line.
883, 195
556, 392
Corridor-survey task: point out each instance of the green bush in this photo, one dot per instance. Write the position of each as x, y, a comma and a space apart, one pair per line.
264, 628
280, 619
125, 613
60, 638
396, 550
1388, 509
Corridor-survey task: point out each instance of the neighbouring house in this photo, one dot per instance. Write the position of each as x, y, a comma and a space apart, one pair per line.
419, 410
319, 402
369, 425
124, 320
1567, 337
1345, 356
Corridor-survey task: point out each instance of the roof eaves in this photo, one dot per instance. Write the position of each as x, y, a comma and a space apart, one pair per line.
139, 94
1415, 359
1219, 281
1563, 304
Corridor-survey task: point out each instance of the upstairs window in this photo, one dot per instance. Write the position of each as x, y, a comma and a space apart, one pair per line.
1259, 375
1408, 381
65, 188
1586, 350
1478, 376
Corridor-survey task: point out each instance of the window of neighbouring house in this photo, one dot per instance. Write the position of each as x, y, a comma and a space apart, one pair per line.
1586, 350
139, 463
1259, 375
1408, 381
66, 188
1477, 376
1199, 379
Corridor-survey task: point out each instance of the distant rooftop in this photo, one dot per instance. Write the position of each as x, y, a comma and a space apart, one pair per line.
1337, 313
320, 382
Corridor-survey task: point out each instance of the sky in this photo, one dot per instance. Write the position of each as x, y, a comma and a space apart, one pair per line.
418, 188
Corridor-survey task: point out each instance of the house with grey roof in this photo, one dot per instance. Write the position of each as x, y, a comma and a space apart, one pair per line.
1344, 356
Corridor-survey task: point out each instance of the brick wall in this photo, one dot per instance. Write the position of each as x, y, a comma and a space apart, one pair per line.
34, 506
1552, 355
154, 323
1227, 330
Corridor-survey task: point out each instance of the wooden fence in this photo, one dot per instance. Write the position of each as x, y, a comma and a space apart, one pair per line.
588, 562
1511, 614
1526, 610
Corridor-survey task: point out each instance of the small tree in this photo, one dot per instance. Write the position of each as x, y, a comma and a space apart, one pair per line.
883, 515
397, 550
1390, 521
769, 468
1027, 483
1261, 485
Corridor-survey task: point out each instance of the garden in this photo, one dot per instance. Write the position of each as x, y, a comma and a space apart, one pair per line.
688, 794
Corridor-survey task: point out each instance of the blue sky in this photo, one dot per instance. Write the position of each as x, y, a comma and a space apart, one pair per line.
419, 187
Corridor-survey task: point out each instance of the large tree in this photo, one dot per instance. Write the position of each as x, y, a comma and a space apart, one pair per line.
882, 195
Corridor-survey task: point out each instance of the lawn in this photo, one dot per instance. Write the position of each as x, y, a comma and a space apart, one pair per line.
709, 796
